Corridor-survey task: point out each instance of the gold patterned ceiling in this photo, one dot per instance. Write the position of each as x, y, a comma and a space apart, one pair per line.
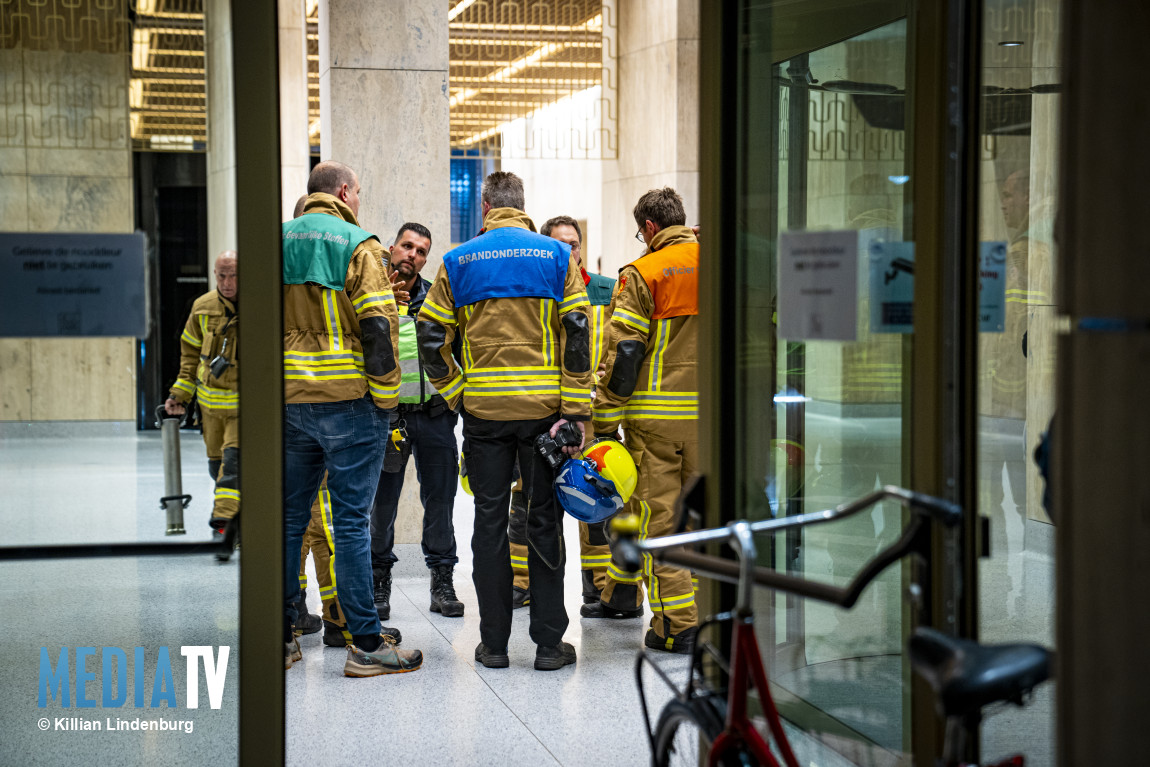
508, 58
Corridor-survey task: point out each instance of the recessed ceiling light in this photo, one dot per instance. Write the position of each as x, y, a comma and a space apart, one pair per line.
1010, 43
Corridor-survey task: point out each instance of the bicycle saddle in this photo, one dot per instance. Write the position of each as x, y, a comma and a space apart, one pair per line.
967, 675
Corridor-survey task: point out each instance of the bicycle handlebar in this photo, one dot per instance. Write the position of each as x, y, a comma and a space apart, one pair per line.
628, 551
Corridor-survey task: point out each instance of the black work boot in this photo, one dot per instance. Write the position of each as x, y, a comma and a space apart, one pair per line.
443, 599
591, 594
381, 582
520, 597
333, 634
306, 623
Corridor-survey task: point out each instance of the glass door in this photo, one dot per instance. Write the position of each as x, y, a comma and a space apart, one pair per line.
811, 398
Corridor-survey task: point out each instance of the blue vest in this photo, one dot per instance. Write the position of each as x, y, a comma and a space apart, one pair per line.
507, 263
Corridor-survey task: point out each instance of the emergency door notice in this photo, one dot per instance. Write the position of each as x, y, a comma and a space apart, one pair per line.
818, 286
72, 284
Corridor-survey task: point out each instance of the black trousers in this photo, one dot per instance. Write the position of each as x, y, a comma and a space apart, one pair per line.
492, 447
437, 469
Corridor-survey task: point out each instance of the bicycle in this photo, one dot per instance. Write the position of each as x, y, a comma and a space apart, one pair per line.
966, 676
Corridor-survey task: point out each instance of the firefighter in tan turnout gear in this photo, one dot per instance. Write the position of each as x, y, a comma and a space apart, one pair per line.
208, 373
519, 303
341, 387
594, 551
650, 388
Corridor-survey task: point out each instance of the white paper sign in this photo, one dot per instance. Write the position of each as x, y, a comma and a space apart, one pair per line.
818, 286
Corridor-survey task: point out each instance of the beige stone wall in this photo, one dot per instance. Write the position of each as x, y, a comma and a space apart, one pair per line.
66, 166
295, 152
658, 124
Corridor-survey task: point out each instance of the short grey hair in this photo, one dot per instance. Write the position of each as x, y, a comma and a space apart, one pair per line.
503, 190
329, 177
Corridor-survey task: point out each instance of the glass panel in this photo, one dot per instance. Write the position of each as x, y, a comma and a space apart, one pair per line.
823, 148
1021, 77
102, 192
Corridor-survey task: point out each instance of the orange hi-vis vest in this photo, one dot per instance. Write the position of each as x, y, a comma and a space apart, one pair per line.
672, 274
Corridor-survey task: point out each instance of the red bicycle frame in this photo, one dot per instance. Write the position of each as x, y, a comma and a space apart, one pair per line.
747, 670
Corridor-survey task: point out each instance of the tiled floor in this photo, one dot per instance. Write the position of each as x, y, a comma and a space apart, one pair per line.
92, 483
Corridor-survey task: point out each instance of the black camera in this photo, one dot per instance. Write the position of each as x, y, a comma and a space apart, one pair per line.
218, 366
551, 448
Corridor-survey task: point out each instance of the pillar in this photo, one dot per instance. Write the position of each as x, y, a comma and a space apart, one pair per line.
384, 112
295, 152
658, 108
221, 130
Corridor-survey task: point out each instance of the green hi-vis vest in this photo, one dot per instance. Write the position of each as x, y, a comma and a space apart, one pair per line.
599, 289
414, 388
318, 247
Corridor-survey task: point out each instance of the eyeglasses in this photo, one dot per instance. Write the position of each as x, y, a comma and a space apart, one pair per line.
639, 236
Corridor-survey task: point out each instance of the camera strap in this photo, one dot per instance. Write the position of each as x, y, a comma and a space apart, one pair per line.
527, 524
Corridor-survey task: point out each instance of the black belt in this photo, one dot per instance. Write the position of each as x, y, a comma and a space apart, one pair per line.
432, 408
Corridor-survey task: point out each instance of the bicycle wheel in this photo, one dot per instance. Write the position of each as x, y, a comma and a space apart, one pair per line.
685, 730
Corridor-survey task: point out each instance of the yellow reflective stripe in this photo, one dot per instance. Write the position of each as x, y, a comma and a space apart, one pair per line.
618, 575
452, 388
632, 319
574, 302
522, 390
597, 335
327, 593
437, 312
203, 318
344, 372
576, 394
331, 317
184, 386
591, 563
224, 492
383, 392
648, 563
530, 373
371, 299
212, 398
661, 333
325, 517
191, 340
676, 603
336, 354
545, 325
303, 582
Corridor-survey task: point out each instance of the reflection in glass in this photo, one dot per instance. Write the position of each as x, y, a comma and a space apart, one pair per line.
823, 135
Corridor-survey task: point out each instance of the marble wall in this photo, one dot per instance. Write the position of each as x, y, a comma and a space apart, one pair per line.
658, 118
65, 166
295, 151
384, 111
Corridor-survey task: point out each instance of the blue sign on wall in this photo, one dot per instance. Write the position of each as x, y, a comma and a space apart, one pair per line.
991, 287
72, 284
891, 286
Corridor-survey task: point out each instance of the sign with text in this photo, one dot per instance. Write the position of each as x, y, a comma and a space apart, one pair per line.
891, 272
72, 284
818, 286
991, 287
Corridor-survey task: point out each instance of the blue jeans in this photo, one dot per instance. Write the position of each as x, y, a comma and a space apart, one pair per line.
346, 439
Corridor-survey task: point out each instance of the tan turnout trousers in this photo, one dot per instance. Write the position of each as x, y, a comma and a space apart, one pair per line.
318, 540
664, 466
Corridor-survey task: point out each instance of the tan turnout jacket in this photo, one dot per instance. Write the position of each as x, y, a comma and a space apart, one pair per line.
210, 331
651, 378
323, 350
514, 349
